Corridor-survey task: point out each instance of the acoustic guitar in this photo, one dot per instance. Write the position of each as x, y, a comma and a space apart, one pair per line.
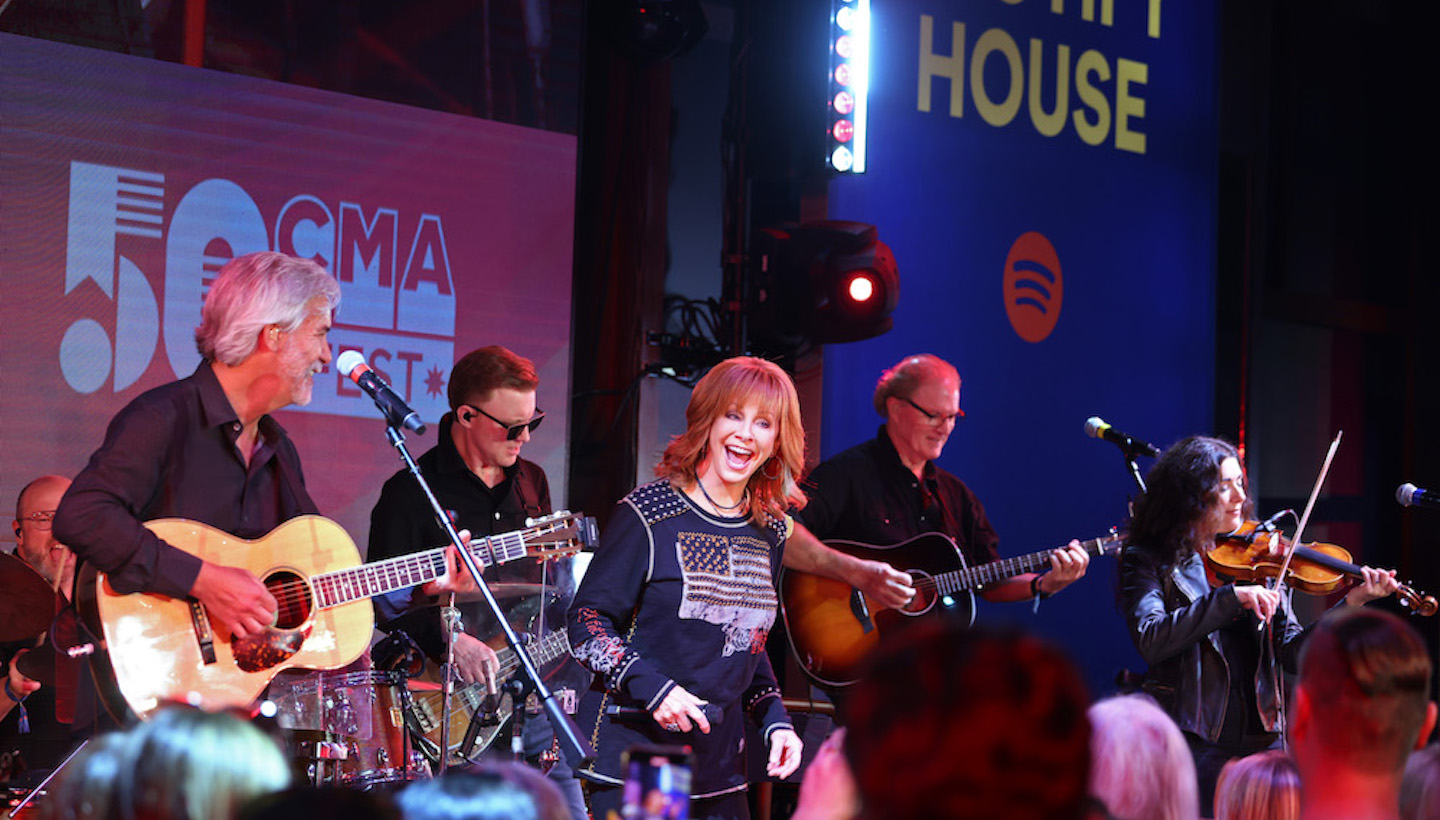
832, 626
158, 648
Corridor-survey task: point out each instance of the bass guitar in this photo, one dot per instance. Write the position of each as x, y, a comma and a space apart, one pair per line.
427, 705
832, 626
158, 648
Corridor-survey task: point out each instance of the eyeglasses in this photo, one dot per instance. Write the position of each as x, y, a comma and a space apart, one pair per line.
42, 519
935, 419
512, 431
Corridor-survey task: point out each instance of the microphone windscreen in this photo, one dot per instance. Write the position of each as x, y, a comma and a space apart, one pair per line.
348, 361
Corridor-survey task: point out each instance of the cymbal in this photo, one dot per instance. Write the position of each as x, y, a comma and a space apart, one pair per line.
28, 605
504, 590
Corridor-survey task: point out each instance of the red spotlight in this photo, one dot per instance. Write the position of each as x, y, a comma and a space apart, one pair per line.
862, 288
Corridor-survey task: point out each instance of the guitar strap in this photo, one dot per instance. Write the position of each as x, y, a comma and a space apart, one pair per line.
931, 488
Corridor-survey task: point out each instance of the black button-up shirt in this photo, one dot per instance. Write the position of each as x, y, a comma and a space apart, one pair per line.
866, 494
403, 522
171, 453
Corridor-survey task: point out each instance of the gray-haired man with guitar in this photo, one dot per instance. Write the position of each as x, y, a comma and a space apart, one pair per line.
883, 500
205, 448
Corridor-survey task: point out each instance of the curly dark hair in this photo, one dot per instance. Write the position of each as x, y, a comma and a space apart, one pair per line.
1183, 486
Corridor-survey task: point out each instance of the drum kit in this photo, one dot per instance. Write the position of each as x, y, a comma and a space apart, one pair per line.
368, 728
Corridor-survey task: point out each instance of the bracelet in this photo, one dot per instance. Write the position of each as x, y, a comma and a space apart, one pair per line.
1036, 592
10, 693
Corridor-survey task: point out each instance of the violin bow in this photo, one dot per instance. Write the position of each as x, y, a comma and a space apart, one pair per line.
1309, 506
1285, 567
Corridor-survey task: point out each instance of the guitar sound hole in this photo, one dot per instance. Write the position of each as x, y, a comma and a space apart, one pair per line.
292, 597
925, 593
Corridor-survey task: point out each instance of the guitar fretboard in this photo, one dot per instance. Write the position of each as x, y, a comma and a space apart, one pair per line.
961, 580
343, 586
547, 649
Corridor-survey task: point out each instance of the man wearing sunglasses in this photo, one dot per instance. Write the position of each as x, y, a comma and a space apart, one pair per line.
477, 474
889, 489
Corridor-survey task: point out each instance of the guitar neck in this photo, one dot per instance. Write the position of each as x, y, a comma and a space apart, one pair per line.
367, 580
543, 651
962, 580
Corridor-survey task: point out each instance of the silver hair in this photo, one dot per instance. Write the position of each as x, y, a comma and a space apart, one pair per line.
256, 290
904, 379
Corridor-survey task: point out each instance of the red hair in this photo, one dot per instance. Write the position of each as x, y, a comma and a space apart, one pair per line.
736, 382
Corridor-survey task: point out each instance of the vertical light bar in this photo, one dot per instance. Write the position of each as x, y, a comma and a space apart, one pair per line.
849, 85
860, 80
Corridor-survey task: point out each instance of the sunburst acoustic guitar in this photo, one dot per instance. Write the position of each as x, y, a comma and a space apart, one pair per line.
832, 626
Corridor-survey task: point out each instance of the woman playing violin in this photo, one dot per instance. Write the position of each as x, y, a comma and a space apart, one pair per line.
1211, 664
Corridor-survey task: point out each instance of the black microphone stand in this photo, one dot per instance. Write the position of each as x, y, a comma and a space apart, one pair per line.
1130, 454
578, 752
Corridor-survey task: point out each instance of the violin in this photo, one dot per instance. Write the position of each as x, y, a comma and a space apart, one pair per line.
1248, 555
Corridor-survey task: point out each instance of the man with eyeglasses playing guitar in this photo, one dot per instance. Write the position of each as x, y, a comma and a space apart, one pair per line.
880, 499
479, 478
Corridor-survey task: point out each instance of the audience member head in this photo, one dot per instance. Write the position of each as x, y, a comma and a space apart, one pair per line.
181, 764
1141, 768
1420, 789
952, 723
732, 385
1362, 697
35, 542
326, 803
256, 290
1262, 786
491, 791
88, 786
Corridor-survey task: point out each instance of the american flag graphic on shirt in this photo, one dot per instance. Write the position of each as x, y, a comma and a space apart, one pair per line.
728, 583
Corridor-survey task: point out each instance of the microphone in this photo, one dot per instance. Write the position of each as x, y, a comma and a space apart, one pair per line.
1268, 525
1411, 496
629, 714
1096, 427
396, 411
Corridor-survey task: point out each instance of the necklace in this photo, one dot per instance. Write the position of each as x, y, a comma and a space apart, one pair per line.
737, 505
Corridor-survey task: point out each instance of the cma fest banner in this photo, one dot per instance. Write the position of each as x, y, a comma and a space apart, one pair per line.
1045, 172
128, 182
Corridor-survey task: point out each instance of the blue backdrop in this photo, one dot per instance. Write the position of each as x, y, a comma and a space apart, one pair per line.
1113, 166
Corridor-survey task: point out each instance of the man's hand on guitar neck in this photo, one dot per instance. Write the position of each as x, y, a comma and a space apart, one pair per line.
235, 598
457, 577
880, 582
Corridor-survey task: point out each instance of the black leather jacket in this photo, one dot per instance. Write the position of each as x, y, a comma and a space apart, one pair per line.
1173, 614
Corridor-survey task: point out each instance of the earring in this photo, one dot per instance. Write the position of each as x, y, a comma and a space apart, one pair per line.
779, 469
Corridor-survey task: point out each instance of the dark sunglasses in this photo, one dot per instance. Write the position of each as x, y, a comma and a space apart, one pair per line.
512, 431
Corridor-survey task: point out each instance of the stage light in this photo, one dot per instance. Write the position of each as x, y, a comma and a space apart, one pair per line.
849, 81
823, 282
861, 288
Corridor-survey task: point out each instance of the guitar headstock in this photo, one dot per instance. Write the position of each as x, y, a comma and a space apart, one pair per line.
559, 534
1110, 543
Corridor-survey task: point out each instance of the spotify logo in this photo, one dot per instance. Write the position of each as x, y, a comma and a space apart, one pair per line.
1033, 287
